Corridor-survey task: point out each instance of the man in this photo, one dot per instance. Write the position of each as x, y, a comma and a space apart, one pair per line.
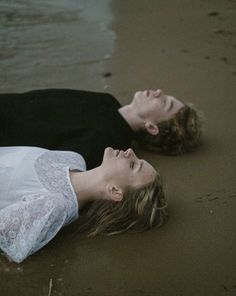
88, 122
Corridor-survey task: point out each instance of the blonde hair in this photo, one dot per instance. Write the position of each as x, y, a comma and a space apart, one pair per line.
178, 135
139, 210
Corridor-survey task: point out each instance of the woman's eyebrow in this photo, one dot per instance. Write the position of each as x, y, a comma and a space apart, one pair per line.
140, 166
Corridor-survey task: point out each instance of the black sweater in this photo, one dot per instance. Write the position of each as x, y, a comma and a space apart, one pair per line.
64, 119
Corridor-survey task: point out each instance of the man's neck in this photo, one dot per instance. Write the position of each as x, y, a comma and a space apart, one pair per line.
131, 117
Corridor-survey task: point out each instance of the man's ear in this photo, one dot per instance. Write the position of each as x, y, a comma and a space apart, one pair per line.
114, 193
151, 128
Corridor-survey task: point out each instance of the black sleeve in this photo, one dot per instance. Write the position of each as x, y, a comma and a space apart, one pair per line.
62, 119
91, 147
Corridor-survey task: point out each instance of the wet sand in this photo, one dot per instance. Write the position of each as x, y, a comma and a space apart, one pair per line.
188, 49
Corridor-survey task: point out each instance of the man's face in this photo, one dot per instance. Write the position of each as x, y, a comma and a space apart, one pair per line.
155, 106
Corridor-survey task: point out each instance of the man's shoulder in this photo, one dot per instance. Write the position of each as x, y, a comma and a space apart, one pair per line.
71, 94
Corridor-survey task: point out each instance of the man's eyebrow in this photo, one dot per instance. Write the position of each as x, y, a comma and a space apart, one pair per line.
171, 105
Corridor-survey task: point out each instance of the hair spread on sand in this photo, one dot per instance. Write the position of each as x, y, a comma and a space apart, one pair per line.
178, 135
139, 210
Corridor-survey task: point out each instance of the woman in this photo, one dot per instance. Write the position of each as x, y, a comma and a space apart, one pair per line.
41, 191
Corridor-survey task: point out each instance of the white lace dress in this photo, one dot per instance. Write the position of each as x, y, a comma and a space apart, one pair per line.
36, 197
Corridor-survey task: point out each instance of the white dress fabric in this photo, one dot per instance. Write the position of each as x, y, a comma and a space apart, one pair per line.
36, 197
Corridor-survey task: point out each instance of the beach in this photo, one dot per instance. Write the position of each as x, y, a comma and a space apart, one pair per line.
186, 48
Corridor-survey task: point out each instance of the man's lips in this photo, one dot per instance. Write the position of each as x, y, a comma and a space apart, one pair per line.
147, 92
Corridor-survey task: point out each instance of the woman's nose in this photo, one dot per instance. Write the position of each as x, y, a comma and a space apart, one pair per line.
128, 152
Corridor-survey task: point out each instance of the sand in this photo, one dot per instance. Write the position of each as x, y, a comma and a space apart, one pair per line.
187, 48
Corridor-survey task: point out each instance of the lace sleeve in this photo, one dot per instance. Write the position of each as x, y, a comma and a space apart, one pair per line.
30, 224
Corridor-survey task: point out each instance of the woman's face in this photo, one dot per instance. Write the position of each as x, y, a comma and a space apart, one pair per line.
156, 106
126, 170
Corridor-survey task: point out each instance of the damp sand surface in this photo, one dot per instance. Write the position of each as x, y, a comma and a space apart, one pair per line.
187, 48
56, 43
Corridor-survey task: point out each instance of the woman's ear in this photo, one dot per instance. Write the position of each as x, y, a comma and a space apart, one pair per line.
114, 193
151, 128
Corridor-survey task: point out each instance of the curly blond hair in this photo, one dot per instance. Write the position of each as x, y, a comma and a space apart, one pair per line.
139, 210
178, 135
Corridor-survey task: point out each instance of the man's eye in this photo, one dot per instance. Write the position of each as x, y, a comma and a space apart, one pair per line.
132, 164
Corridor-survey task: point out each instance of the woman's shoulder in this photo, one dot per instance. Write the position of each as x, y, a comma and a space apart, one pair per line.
68, 158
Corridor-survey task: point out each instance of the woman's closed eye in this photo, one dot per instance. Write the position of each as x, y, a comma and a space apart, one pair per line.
132, 164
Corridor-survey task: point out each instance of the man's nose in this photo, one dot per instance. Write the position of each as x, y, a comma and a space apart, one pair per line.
158, 93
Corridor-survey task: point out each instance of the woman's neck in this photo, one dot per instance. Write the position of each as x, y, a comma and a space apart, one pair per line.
87, 185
